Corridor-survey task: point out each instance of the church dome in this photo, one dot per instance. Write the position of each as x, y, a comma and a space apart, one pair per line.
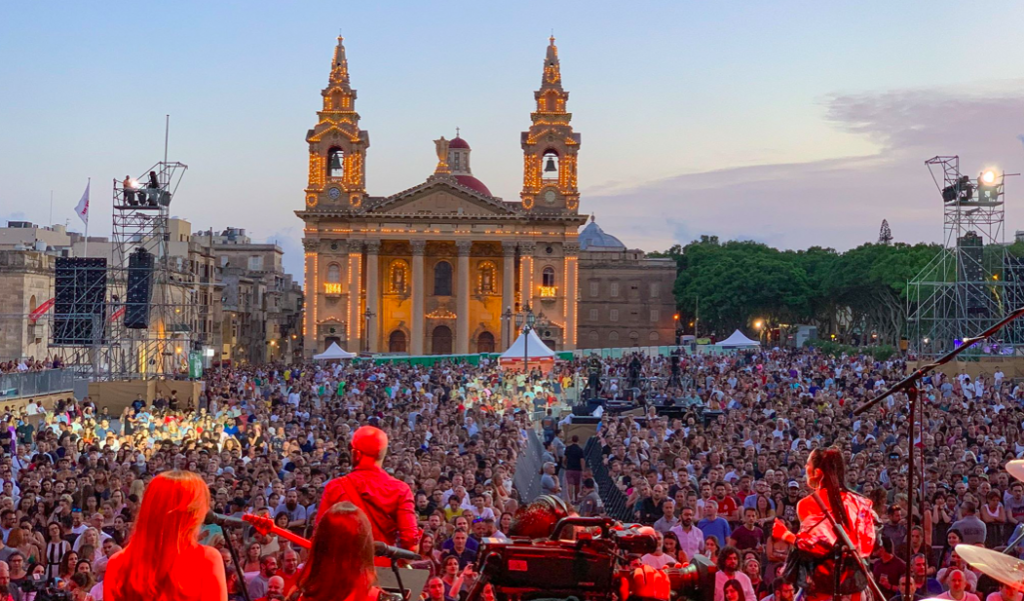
473, 183
594, 238
458, 142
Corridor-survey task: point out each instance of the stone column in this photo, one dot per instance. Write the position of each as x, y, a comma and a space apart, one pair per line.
355, 316
372, 293
418, 297
571, 278
462, 323
312, 299
526, 250
508, 290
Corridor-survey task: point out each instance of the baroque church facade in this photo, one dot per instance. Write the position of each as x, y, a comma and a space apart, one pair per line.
441, 267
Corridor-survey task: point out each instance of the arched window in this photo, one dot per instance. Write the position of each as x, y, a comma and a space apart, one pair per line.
613, 337
333, 273
549, 165
485, 342
336, 163
548, 277
396, 342
653, 337
443, 278
593, 336
32, 306
399, 277
487, 275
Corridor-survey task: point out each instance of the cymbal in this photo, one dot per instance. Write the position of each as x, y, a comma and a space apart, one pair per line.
1005, 568
1016, 469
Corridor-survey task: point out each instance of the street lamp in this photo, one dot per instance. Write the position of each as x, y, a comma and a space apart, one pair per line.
526, 319
368, 315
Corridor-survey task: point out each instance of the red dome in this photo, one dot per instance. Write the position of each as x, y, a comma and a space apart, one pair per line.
473, 183
458, 143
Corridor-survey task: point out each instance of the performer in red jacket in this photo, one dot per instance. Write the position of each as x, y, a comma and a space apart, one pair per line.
811, 565
386, 501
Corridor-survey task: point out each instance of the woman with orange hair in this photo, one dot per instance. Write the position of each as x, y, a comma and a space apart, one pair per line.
164, 560
340, 564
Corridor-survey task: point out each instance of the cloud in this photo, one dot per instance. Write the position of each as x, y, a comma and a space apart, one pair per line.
835, 202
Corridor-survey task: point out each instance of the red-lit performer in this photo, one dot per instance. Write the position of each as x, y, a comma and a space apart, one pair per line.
812, 566
386, 501
340, 563
163, 560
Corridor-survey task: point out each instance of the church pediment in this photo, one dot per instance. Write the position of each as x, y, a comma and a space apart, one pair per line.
440, 197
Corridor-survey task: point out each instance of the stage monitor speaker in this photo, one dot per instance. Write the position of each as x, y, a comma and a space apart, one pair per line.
140, 287
79, 309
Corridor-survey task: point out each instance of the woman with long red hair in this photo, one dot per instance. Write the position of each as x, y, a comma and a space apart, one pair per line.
340, 563
164, 560
811, 565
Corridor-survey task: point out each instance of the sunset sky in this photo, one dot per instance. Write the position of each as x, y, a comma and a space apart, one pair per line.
791, 123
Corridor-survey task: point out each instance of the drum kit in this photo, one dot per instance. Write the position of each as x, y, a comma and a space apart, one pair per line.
1000, 566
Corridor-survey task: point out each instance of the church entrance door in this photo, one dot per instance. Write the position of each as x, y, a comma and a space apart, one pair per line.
485, 342
396, 342
442, 341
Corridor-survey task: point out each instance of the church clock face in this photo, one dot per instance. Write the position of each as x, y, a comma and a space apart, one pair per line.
550, 197
334, 193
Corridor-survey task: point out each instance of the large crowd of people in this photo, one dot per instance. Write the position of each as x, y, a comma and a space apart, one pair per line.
711, 479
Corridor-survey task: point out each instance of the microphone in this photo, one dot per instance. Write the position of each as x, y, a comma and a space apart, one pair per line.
384, 550
224, 520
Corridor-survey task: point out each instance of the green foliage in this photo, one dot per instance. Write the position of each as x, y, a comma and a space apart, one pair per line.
860, 291
835, 349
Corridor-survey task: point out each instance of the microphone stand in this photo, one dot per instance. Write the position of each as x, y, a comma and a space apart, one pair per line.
909, 385
238, 566
398, 576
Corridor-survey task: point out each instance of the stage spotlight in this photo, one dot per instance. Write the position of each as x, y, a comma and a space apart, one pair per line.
988, 177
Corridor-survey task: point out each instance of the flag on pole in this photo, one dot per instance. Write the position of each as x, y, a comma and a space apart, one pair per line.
83, 205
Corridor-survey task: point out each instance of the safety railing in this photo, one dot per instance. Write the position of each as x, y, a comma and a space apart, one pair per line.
26, 384
613, 498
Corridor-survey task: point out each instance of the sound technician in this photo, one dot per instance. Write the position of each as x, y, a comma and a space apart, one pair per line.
386, 501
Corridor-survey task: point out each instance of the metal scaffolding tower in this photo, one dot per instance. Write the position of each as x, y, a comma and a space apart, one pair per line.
161, 345
974, 281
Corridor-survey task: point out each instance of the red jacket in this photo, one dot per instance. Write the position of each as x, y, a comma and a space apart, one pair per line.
387, 501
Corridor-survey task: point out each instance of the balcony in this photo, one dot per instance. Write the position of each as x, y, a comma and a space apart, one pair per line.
547, 293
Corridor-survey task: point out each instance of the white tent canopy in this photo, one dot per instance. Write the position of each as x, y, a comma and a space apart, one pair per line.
738, 340
333, 352
536, 348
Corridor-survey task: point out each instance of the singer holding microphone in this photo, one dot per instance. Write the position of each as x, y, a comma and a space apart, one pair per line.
163, 560
386, 501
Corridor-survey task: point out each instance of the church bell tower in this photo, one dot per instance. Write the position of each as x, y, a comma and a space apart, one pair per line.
337, 147
550, 147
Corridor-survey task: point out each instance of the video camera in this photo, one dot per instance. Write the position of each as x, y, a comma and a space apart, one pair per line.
588, 564
44, 590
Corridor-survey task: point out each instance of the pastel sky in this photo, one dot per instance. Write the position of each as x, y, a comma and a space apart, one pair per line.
792, 123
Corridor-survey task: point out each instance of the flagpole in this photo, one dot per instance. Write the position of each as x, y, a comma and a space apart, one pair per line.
86, 252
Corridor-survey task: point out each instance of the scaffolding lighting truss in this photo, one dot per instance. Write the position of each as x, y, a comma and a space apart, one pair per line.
974, 281
141, 210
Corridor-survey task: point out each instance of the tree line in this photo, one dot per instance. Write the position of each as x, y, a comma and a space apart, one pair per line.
860, 294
